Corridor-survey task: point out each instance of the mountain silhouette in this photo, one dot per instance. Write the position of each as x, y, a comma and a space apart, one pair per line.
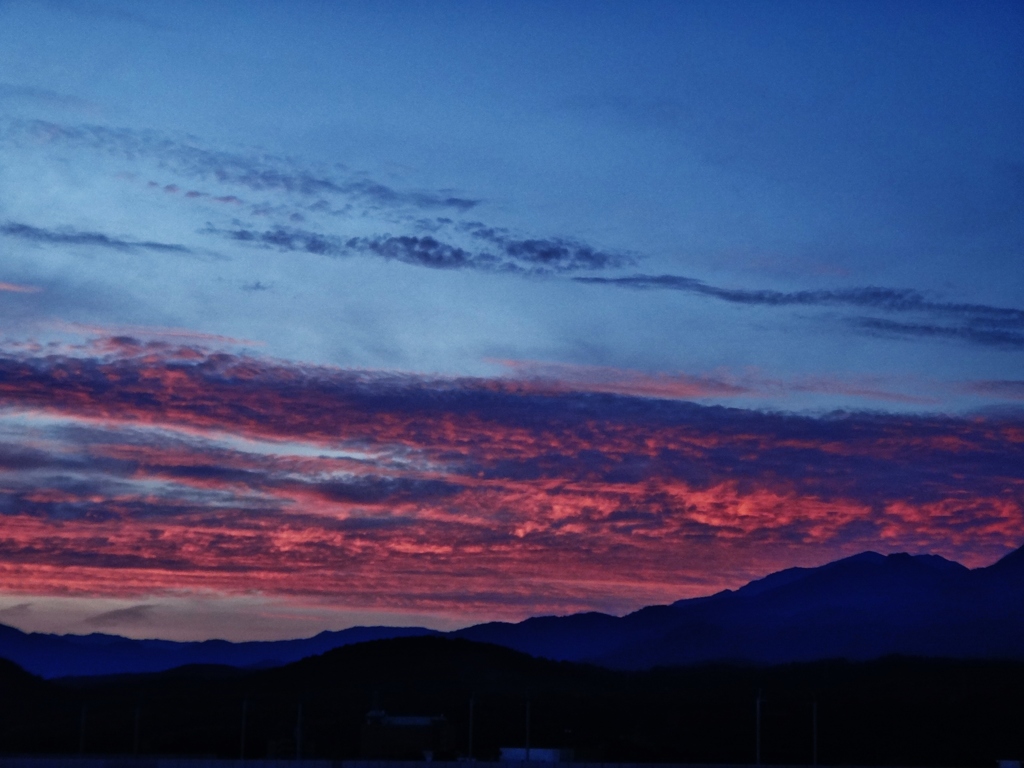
861, 607
858, 608
53, 656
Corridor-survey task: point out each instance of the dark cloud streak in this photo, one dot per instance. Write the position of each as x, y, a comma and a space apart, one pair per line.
563, 254
976, 323
886, 299
255, 172
993, 337
524, 256
68, 236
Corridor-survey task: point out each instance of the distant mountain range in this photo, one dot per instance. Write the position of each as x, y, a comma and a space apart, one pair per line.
53, 656
858, 608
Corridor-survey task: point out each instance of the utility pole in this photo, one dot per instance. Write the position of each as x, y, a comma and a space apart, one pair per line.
81, 732
241, 746
527, 730
814, 727
470, 749
135, 741
757, 750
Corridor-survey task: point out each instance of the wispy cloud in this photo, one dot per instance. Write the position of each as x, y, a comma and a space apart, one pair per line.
971, 332
70, 236
16, 612
136, 614
257, 172
129, 339
19, 288
45, 96
594, 378
870, 297
532, 256
301, 192
563, 254
1007, 388
973, 323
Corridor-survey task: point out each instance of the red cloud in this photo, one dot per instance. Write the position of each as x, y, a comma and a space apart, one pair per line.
173, 467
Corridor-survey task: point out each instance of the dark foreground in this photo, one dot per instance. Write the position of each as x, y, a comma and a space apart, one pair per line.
895, 711
186, 762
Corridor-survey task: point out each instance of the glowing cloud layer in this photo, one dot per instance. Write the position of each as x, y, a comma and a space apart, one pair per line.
132, 468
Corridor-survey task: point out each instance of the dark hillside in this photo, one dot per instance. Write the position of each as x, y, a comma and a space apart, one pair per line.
886, 712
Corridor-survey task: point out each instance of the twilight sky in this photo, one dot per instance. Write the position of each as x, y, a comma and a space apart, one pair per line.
318, 314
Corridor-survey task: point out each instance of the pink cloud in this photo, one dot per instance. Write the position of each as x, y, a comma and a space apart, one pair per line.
179, 468
1003, 389
17, 288
623, 381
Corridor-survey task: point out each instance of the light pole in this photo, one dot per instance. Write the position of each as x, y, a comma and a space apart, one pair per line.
135, 741
81, 732
470, 748
241, 745
527, 730
814, 728
757, 734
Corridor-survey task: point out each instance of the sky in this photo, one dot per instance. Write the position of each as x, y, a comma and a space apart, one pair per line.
323, 314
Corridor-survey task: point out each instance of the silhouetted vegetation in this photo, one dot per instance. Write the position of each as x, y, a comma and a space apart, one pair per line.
892, 711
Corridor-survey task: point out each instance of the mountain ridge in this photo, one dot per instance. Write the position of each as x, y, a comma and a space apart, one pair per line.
860, 607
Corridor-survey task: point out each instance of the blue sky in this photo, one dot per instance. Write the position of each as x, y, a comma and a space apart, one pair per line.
793, 207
